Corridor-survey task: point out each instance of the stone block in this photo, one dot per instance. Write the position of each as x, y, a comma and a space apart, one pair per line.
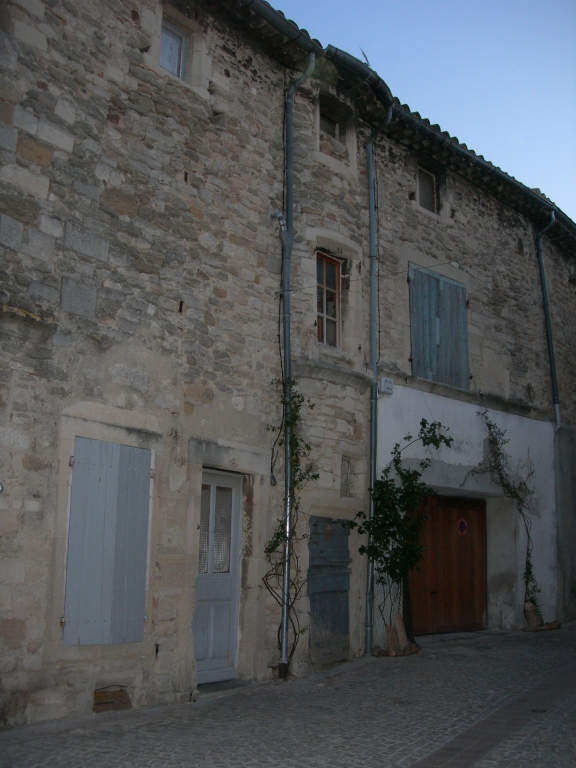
78, 297
8, 52
92, 146
10, 232
32, 183
13, 439
86, 243
31, 150
6, 109
12, 632
41, 291
8, 137
30, 36
25, 120
39, 245
35, 8
120, 202
66, 110
130, 377
51, 134
62, 339
88, 190
51, 226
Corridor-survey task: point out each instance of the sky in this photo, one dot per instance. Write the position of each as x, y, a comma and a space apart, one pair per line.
500, 75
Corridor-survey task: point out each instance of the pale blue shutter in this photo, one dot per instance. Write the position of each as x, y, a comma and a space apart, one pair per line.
438, 328
424, 323
107, 544
453, 348
131, 545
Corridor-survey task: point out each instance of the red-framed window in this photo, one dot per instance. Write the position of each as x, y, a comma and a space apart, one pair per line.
328, 300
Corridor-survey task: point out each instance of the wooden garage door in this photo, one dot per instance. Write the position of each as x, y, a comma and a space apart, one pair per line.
448, 593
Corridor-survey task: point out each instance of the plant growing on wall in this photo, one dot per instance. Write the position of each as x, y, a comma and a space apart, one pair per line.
395, 529
302, 473
496, 464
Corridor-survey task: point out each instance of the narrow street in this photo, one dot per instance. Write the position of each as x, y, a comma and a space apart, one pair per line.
488, 700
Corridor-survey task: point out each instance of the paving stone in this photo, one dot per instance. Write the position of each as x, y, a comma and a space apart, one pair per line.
441, 707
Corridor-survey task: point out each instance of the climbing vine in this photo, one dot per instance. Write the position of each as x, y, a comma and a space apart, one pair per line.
496, 464
302, 473
395, 528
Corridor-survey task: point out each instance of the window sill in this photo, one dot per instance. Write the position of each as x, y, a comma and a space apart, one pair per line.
336, 166
447, 220
153, 64
334, 355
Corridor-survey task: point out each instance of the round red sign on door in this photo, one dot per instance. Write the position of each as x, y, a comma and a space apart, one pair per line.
462, 526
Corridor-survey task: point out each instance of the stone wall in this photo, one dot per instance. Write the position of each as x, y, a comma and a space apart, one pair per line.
140, 276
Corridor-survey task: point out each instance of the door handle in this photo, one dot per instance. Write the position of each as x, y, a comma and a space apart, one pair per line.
434, 593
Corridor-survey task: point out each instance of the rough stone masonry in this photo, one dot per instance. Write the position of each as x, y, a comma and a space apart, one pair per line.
140, 273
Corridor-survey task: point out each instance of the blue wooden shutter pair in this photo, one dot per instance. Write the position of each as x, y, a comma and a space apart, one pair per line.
438, 329
107, 544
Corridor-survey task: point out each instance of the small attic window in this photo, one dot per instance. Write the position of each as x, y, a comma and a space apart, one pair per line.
334, 128
334, 117
427, 190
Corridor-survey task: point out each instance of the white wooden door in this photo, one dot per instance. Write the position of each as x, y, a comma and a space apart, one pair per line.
215, 620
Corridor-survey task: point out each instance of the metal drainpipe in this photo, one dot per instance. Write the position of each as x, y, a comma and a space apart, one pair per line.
369, 626
287, 238
547, 319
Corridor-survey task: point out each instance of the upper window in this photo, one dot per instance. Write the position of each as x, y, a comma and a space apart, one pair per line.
328, 300
438, 328
173, 50
334, 128
427, 190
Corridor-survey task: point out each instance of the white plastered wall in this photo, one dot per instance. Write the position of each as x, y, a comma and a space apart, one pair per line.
530, 441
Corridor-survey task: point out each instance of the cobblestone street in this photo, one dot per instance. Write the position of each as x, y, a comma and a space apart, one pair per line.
488, 700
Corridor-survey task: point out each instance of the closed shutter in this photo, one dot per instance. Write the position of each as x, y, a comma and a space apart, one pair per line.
107, 544
453, 347
424, 323
438, 328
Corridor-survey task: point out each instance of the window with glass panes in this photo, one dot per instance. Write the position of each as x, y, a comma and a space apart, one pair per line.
328, 299
172, 50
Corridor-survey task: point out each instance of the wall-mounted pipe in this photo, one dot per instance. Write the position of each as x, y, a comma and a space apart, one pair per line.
369, 625
287, 239
547, 319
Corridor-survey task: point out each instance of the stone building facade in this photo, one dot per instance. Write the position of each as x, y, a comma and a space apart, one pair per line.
142, 155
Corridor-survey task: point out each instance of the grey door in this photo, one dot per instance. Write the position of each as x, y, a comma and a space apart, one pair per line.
328, 587
217, 585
